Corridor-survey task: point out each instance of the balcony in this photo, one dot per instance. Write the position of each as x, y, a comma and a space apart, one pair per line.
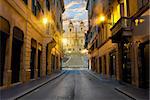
121, 29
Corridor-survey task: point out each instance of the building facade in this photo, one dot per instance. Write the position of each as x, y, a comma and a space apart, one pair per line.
118, 44
29, 48
74, 39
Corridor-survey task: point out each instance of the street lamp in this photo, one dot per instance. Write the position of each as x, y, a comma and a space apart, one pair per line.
102, 18
45, 20
46, 23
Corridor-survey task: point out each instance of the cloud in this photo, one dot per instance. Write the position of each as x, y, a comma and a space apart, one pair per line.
75, 10
71, 4
76, 6
78, 15
66, 17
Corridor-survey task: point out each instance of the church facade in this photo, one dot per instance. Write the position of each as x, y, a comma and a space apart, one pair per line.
74, 39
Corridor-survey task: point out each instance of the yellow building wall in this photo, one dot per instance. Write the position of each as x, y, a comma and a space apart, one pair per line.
133, 7
20, 15
115, 16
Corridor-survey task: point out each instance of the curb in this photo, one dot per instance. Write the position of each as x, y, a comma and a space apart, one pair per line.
119, 90
36, 87
125, 93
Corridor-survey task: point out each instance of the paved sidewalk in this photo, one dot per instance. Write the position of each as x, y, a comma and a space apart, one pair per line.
135, 93
22, 89
130, 91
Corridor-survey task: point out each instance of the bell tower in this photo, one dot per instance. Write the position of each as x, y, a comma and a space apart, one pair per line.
71, 27
82, 28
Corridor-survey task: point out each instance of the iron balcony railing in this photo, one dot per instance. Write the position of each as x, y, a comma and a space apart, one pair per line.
123, 24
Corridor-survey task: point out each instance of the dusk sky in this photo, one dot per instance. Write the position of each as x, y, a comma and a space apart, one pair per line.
75, 10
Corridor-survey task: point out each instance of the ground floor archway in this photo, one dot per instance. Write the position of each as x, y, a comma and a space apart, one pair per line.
3, 39
32, 58
17, 44
112, 65
4, 35
39, 63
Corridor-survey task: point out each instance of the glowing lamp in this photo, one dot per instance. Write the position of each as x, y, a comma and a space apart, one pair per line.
45, 20
102, 18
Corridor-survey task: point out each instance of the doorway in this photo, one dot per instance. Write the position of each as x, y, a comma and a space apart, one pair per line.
112, 66
105, 69
100, 65
4, 35
126, 66
32, 62
3, 38
39, 63
16, 54
32, 58
144, 69
53, 62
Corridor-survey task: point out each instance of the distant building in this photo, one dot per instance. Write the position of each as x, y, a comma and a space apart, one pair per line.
74, 38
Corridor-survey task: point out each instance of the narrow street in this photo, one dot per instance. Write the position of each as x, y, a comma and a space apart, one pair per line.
75, 85
74, 50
